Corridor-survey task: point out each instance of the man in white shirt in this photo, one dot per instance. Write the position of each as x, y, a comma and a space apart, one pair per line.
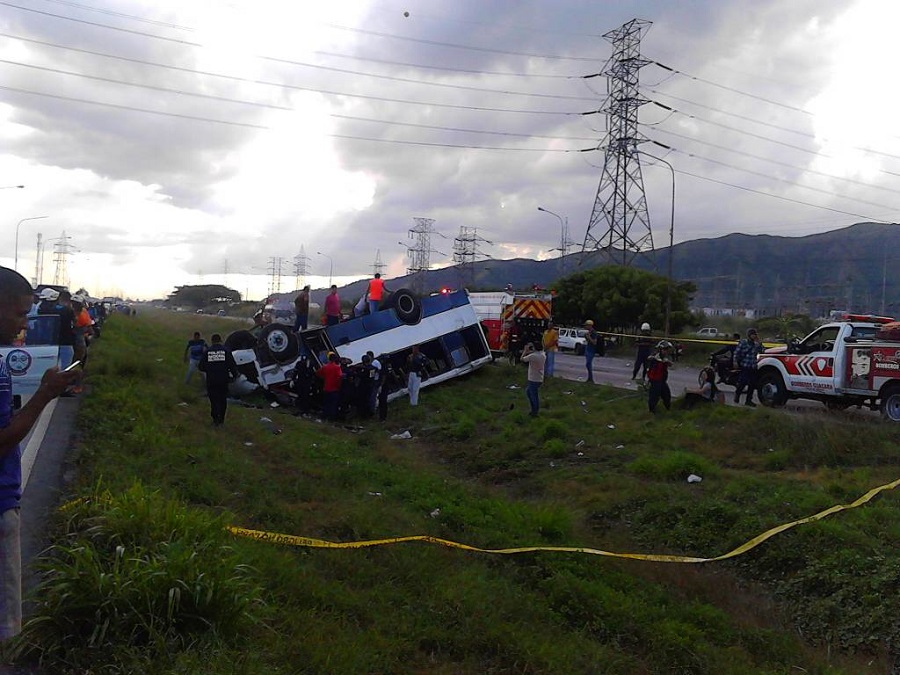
535, 360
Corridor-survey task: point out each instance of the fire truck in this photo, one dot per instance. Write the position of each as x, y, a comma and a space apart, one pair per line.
851, 362
510, 320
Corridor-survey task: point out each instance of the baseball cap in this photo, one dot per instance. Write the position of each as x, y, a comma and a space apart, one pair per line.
49, 294
78, 298
588, 323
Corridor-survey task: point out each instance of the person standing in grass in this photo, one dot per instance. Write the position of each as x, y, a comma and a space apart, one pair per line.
332, 378
220, 369
550, 340
658, 373
536, 361
193, 353
745, 358
15, 303
416, 372
591, 344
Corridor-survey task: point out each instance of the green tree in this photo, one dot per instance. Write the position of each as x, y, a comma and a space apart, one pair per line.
787, 326
621, 297
202, 296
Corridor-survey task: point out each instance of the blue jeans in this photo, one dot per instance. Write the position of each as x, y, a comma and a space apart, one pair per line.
531, 391
301, 322
589, 363
549, 364
373, 306
192, 367
66, 354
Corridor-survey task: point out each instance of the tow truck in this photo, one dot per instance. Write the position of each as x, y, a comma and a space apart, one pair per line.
851, 362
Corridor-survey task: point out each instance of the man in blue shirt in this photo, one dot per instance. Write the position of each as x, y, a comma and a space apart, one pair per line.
15, 303
193, 353
745, 358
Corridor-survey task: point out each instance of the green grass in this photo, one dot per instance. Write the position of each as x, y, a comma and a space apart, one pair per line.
478, 470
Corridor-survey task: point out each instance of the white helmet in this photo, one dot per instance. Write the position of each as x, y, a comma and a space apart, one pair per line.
49, 294
645, 326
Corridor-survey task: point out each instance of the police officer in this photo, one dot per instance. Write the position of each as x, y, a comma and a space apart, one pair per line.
218, 365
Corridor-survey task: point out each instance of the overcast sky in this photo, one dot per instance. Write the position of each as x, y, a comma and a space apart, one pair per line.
173, 140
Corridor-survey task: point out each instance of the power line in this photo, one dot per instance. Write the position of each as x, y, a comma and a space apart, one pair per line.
335, 26
294, 87
272, 106
260, 126
733, 89
779, 163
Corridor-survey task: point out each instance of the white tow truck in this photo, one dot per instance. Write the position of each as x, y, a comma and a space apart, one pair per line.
851, 362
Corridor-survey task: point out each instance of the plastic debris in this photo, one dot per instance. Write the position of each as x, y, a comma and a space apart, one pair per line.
694, 478
183, 404
552, 464
584, 403
620, 447
402, 436
378, 494
248, 443
581, 454
269, 425
512, 386
274, 404
435, 513
610, 426
568, 393
579, 443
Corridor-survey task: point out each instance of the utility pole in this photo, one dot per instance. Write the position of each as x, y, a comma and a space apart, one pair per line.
38, 261
420, 251
620, 222
61, 250
378, 266
301, 268
276, 264
465, 253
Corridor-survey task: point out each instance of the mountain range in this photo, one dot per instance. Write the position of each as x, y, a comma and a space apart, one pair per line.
853, 268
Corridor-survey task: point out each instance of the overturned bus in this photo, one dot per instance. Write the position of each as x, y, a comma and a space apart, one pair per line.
444, 326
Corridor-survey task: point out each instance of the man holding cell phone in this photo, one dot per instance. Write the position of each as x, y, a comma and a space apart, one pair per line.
15, 303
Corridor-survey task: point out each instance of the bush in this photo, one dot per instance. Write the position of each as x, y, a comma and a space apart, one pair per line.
139, 572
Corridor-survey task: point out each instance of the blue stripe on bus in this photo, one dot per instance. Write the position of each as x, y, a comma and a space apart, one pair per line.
379, 322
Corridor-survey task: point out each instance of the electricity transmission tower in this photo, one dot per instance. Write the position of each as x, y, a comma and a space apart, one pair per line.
301, 268
61, 250
378, 266
420, 251
465, 253
620, 222
276, 269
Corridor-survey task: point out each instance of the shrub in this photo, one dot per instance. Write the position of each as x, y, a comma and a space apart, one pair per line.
136, 572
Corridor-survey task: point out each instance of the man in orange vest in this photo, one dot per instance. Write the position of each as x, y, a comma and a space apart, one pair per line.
376, 292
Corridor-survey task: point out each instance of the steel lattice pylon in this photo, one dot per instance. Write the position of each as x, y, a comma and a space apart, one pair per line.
620, 221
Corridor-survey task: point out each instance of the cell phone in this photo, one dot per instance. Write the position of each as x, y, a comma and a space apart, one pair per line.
71, 366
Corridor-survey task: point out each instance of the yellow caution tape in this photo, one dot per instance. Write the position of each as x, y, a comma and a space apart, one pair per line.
696, 340
308, 542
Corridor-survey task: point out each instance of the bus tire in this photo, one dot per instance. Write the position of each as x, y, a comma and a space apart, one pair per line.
770, 388
890, 403
279, 342
407, 306
240, 339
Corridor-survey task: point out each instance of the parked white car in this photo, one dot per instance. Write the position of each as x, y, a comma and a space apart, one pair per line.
708, 332
572, 339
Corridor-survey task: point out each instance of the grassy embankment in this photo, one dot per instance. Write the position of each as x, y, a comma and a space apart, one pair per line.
146, 581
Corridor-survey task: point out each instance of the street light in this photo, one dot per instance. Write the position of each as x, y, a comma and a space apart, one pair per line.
671, 241
563, 236
330, 266
16, 263
12, 187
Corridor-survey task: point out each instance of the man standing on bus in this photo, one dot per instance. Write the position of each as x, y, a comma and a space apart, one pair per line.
332, 307
376, 292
